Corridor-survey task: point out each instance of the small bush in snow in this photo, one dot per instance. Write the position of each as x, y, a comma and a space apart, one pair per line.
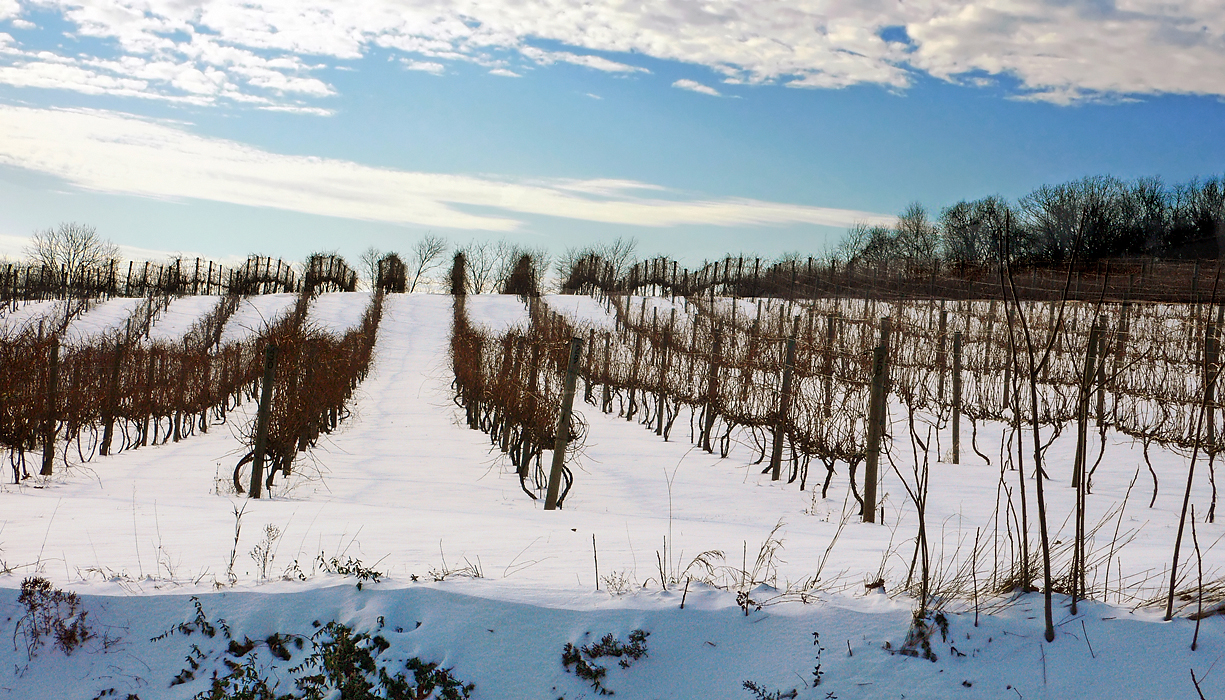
761, 693
609, 646
51, 613
345, 661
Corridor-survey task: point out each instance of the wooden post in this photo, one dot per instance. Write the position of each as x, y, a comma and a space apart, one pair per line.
886, 328
1006, 402
957, 397
784, 408
261, 422
1212, 355
563, 424
50, 420
1100, 377
1089, 373
827, 369
876, 413
112, 401
664, 363
712, 388
587, 395
941, 352
632, 406
606, 391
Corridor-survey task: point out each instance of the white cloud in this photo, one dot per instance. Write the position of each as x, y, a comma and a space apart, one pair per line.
24, 24
546, 58
505, 73
121, 154
1071, 52
425, 66
695, 86
1055, 49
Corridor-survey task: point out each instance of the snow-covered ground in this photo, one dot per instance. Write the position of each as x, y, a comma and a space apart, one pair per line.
406, 488
337, 312
27, 315
255, 313
495, 313
102, 318
180, 316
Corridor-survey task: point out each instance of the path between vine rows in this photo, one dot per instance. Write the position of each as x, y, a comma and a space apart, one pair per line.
409, 490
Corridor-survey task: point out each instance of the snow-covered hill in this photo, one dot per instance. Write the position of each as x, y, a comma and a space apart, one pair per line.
477, 576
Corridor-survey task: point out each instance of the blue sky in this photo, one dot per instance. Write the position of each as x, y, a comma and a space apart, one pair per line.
698, 127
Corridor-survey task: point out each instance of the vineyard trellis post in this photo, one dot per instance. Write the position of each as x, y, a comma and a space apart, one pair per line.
784, 407
828, 368
563, 424
941, 358
1122, 336
956, 397
712, 387
261, 421
1099, 378
587, 384
1212, 357
50, 421
1080, 480
876, 423
112, 401
632, 406
606, 389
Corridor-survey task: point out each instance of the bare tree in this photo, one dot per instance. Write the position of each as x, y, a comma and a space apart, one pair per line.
916, 238
564, 262
864, 242
621, 254
370, 265
970, 231
428, 254
481, 258
75, 247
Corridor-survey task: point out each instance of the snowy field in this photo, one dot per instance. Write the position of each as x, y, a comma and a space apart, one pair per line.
478, 577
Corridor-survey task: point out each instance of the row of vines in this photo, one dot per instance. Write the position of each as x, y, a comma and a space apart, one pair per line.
120, 390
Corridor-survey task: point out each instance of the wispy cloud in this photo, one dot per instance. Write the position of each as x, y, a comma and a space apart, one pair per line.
597, 62
505, 73
695, 86
271, 52
433, 67
121, 154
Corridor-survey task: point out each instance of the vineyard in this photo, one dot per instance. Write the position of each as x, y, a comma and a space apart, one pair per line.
893, 444
120, 388
862, 380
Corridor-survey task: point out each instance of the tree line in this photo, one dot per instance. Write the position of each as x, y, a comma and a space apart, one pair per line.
1110, 217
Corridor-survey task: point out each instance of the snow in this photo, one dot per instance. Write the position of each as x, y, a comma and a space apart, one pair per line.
495, 313
100, 319
337, 312
407, 488
254, 313
581, 310
180, 316
28, 314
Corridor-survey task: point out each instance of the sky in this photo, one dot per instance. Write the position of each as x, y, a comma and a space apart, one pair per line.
286, 127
